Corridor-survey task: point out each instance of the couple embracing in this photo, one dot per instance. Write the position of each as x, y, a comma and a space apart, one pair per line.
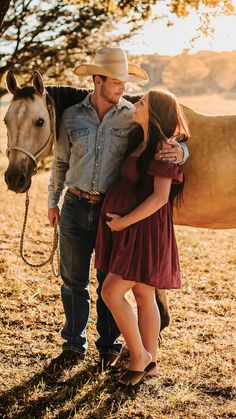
121, 169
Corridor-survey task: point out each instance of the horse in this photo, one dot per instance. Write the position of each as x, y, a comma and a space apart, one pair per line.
210, 187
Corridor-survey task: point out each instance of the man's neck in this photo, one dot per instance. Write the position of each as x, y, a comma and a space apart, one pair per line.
100, 105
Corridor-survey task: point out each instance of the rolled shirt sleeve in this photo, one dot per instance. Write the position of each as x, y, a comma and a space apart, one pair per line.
186, 152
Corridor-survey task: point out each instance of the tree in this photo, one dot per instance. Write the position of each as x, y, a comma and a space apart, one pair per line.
223, 71
52, 35
185, 74
3, 10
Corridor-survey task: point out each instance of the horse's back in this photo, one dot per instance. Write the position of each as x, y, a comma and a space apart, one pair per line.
210, 189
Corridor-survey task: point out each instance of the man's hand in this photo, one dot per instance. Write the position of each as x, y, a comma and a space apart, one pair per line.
54, 216
171, 151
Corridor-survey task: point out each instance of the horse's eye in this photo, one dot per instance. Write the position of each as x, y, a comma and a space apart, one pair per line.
39, 122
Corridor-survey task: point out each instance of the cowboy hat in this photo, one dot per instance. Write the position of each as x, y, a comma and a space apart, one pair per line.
112, 62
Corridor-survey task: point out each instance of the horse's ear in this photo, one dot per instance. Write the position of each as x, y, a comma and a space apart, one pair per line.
12, 83
38, 83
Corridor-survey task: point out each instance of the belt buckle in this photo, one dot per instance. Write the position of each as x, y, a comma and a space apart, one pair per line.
88, 196
91, 201
85, 195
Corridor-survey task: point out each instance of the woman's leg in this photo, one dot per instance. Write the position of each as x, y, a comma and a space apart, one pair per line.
148, 317
113, 294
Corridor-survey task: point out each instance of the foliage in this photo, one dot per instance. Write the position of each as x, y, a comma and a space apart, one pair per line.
184, 70
3, 10
193, 74
52, 35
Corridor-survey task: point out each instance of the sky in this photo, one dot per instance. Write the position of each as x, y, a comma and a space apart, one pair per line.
157, 38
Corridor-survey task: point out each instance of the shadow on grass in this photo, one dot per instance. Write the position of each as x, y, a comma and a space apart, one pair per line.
89, 387
226, 393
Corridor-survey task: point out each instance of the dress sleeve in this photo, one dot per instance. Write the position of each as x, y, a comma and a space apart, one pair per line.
165, 169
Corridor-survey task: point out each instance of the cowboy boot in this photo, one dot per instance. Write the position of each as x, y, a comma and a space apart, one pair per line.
161, 300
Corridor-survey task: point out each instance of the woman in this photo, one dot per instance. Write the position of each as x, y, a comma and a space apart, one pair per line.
136, 242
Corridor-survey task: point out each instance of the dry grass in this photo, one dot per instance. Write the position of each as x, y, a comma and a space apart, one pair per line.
196, 360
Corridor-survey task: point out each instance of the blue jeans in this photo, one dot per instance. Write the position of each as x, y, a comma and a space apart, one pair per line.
78, 229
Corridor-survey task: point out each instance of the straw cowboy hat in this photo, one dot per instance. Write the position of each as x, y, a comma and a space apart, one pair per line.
112, 62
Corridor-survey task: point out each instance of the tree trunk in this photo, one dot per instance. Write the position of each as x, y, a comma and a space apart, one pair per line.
3, 10
3, 89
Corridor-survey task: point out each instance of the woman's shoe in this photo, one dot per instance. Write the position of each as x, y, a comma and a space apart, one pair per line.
132, 378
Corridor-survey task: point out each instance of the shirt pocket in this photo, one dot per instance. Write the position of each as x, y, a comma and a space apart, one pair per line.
119, 141
79, 138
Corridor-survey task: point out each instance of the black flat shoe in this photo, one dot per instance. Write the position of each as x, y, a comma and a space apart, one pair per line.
132, 378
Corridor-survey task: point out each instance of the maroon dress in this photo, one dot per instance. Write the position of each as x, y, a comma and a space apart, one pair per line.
145, 251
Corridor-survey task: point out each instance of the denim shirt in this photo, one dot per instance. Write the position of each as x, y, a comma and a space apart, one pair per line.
90, 151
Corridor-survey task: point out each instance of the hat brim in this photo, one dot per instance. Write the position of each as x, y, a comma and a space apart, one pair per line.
135, 73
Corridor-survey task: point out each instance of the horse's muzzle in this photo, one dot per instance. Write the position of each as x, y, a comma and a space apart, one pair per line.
17, 180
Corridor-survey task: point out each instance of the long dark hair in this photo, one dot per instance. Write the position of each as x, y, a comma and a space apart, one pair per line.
165, 119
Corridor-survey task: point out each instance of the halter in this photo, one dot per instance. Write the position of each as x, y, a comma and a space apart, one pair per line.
51, 139
36, 157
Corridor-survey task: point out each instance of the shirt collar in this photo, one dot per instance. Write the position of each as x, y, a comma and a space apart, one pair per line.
85, 101
123, 103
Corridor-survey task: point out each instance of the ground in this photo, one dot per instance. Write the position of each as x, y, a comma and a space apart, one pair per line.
196, 358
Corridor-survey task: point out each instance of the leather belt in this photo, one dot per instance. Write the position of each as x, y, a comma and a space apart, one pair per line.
93, 198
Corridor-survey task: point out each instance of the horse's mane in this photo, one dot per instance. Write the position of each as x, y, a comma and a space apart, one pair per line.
63, 97
66, 96
26, 92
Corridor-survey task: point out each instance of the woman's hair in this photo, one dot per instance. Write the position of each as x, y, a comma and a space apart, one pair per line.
165, 120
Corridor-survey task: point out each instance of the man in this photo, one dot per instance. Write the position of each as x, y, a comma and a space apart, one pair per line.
91, 145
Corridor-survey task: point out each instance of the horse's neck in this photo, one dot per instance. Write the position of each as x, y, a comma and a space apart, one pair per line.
66, 96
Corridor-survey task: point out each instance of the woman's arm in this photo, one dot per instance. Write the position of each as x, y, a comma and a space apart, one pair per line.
152, 204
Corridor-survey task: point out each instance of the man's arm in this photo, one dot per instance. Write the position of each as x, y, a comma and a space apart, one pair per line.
62, 161
174, 152
54, 195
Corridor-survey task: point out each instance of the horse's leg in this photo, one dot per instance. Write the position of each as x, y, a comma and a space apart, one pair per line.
161, 299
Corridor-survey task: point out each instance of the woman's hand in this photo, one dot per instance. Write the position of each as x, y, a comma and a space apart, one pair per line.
116, 223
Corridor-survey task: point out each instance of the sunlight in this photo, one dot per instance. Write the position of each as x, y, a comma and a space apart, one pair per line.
157, 37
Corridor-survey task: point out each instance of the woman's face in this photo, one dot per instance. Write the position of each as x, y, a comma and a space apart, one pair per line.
141, 114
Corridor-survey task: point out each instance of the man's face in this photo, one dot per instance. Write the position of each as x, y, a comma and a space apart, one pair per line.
112, 89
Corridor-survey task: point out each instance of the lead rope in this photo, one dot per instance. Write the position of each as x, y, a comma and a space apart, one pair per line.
50, 259
54, 257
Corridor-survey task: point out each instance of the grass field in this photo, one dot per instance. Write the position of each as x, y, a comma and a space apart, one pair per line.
196, 360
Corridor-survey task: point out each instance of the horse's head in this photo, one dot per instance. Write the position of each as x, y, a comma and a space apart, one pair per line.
28, 129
